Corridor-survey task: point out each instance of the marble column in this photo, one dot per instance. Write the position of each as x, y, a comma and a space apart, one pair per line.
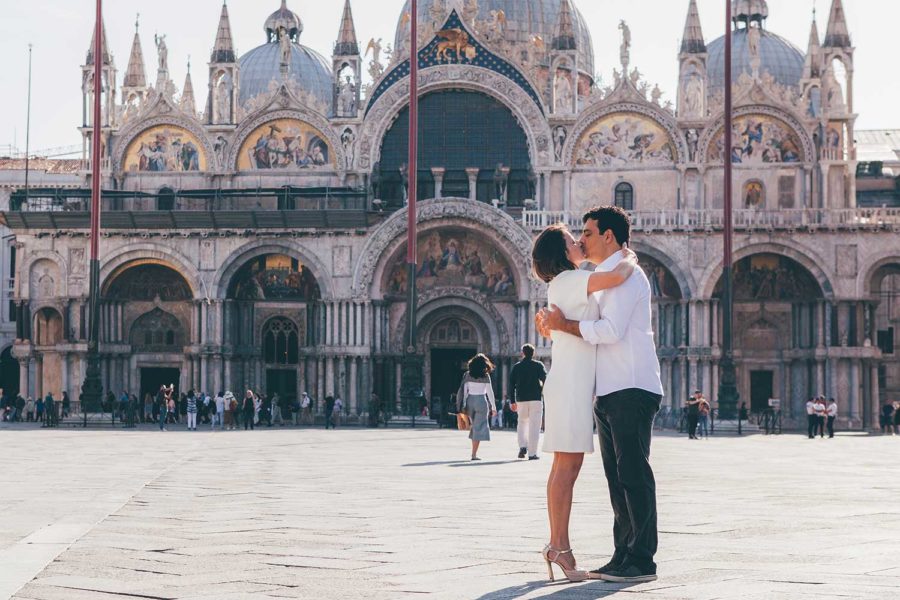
353, 396
875, 401
853, 397
438, 174
473, 183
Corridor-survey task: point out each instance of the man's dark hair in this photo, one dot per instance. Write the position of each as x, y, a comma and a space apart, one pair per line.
480, 366
549, 254
528, 350
612, 218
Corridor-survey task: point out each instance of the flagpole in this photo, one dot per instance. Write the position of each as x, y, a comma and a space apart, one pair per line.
728, 395
91, 390
412, 363
28, 127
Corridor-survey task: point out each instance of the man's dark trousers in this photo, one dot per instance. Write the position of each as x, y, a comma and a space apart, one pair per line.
811, 425
625, 425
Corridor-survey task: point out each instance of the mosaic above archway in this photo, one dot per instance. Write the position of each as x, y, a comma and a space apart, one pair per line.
274, 277
758, 139
623, 139
771, 277
165, 149
454, 257
663, 284
285, 144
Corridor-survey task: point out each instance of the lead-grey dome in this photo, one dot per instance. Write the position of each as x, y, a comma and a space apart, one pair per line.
777, 56
308, 69
524, 18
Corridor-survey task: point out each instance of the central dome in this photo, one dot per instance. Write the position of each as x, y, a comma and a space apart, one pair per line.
524, 19
262, 65
777, 56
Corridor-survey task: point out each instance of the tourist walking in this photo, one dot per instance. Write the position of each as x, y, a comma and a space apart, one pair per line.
191, 402
39, 410
887, 418
703, 422
475, 398
526, 386
29, 410
811, 419
693, 415
249, 410
306, 409
896, 417
20, 408
276, 410
66, 404
219, 416
820, 416
628, 392
831, 412
163, 407
329, 410
337, 411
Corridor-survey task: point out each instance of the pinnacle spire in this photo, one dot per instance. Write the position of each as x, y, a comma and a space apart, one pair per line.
837, 35
223, 50
813, 65
692, 40
564, 37
107, 57
135, 76
187, 103
346, 44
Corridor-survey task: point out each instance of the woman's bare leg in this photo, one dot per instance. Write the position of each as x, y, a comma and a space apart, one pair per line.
475, 445
564, 473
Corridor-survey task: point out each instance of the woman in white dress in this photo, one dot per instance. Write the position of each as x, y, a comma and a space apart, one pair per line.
569, 388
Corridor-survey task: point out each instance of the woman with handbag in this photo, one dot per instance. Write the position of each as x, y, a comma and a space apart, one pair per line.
475, 399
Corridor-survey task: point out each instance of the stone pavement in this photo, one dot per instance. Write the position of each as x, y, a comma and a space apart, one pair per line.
392, 514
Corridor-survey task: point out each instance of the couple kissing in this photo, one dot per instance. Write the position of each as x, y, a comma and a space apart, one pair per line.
604, 371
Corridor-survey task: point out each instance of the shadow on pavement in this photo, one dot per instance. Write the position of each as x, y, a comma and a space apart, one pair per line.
559, 590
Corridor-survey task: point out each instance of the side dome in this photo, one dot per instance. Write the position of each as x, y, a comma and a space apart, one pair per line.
777, 56
524, 19
262, 65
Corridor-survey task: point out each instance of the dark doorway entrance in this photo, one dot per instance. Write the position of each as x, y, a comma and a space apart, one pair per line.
760, 390
154, 377
9, 373
282, 382
447, 368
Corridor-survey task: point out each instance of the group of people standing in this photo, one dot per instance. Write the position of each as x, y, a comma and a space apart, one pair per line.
46, 410
889, 419
820, 417
698, 411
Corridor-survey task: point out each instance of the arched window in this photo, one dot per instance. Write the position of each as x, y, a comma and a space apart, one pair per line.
281, 343
166, 199
624, 196
157, 331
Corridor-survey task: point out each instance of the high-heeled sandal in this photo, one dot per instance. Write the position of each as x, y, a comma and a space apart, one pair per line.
551, 556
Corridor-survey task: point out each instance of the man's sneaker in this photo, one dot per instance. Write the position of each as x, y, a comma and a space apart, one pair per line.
522, 452
629, 573
535, 457
612, 565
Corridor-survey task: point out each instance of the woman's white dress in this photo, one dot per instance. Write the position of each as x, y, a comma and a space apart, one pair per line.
569, 388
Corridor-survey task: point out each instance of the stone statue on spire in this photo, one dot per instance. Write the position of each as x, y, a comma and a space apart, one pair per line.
625, 49
160, 41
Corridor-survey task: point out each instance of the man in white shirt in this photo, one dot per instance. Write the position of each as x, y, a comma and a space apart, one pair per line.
628, 393
811, 419
819, 409
831, 411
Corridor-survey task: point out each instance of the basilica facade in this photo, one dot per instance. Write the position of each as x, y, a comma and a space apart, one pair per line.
258, 241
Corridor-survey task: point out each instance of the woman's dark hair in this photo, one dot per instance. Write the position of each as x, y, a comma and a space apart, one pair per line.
480, 366
549, 254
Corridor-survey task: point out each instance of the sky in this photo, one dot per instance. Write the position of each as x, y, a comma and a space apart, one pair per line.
60, 31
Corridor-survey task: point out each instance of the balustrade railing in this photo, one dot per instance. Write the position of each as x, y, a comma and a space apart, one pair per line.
744, 220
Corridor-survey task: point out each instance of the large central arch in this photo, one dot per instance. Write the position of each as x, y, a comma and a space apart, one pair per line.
386, 108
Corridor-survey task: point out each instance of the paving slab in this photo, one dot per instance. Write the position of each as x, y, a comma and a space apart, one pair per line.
395, 514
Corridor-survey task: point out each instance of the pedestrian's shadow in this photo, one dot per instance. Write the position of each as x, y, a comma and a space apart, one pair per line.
559, 590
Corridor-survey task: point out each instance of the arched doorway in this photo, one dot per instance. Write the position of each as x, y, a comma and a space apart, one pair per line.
459, 130
885, 291
273, 320
776, 317
669, 327
9, 373
47, 333
148, 305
